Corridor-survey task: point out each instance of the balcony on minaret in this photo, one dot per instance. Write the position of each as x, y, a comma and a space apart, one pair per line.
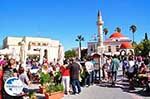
100, 23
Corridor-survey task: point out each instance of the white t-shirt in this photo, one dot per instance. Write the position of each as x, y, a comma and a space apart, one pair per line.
131, 68
24, 78
89, 66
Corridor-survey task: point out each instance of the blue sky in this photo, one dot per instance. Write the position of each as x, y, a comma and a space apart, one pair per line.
65, 19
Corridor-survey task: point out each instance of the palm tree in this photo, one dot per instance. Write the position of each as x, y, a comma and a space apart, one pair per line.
118, 29
105, 31
80, 39
133, 29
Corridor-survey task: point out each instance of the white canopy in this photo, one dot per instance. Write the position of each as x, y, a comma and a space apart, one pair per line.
5, 51
30, 52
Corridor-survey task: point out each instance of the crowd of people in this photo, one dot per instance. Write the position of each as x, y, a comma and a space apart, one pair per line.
134, 68
27, 73
75, 73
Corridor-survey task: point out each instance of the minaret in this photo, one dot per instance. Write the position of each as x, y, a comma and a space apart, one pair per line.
100, 29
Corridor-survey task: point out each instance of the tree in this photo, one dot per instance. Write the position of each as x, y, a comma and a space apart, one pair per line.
146, 47
138, 49
70, 54
143, 48
118, 29
146, 37
80, 39
105, 31
84, 53
133, 29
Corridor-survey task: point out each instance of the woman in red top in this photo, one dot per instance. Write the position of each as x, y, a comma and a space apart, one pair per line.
65, 77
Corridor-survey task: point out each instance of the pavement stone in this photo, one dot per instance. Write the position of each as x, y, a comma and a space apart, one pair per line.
98, 92
102, 91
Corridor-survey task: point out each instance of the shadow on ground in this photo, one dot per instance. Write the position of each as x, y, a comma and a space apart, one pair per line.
124, 85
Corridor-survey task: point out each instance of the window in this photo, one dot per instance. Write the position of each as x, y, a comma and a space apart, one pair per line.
91, 49
117, 48
109, 48
45, 53
44, 44
33, 44
39, 44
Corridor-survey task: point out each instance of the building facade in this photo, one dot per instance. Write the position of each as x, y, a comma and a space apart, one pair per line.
29, 46
117, 43
76, 49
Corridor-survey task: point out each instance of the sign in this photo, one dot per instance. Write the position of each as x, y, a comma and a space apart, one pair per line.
13, 86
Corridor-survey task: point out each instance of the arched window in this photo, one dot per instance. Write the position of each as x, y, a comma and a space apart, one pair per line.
45, 53
91, 49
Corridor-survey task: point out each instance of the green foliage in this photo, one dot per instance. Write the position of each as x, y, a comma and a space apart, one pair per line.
57, 75
143, 48
146, 47
54, 88
80, 38
133, 28
105, 31
44, 78
70, 54
84, 53
31, 94
146, 36
49, 82
118, 29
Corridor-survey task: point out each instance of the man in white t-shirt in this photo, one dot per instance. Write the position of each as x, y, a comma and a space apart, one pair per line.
89, 72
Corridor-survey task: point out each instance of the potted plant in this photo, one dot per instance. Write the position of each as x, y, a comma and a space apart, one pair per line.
57, 77
32, 95
44, 80
54, 91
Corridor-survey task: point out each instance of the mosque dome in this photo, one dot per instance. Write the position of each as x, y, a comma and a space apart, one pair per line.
116, 35
126, 45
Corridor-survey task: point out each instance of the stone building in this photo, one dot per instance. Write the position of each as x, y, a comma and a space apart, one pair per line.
29, 46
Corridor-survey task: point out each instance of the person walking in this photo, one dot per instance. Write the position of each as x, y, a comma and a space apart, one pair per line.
131, 72
108, 62
65, 72
89, 72
114, 68
74, 76
96, 70
124, 66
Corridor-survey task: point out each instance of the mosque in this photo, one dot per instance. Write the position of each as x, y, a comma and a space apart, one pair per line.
117, 43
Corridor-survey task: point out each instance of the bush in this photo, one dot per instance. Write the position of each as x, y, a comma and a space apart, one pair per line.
44, 78
54, 88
